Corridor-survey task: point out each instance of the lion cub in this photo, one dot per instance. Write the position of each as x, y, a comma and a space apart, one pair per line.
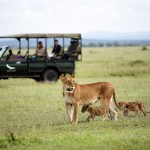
94, 111
132, 106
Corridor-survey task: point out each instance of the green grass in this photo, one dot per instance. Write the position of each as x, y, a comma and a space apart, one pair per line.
35, 112
120, 61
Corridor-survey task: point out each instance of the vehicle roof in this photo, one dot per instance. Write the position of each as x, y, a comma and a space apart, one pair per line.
47, 35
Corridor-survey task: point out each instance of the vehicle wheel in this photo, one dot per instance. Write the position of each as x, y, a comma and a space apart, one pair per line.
50, 76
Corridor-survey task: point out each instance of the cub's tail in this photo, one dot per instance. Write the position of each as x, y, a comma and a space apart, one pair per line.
141, 105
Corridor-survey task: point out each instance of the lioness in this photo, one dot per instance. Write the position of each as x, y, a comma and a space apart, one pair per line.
75, 95
132, 106
94, 111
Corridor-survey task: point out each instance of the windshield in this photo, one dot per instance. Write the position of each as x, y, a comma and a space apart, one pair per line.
3, 50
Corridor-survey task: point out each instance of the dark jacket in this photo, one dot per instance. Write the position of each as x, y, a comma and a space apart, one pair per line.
56, 49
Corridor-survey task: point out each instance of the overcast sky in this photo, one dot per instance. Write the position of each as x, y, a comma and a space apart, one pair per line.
73, 16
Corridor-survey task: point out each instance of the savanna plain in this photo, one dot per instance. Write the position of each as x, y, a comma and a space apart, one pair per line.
33, 115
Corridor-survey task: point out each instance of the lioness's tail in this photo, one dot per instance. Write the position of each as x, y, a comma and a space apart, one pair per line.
114, 96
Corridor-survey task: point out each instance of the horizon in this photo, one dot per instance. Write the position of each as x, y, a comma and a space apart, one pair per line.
105, 35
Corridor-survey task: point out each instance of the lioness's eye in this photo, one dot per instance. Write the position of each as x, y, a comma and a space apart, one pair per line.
67, 82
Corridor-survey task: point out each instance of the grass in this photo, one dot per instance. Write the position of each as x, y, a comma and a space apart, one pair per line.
119, 61
33, 116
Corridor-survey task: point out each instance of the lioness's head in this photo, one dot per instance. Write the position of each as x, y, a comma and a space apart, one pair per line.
84, 108
68, 83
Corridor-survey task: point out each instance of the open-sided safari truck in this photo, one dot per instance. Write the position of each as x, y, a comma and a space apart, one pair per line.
26, 64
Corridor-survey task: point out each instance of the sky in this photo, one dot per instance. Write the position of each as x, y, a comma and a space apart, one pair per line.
73, 16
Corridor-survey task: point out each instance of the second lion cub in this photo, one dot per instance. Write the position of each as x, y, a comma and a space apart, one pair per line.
132, 106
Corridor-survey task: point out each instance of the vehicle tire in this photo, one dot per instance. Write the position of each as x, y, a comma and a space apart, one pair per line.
50, 75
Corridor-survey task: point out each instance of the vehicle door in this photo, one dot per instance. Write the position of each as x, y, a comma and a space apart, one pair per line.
14, 65
36, 64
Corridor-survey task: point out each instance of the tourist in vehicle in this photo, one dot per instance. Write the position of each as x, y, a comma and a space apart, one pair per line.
73, 49
40, 49
57, 48
10, 55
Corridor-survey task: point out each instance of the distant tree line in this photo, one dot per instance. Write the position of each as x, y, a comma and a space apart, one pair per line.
115, 44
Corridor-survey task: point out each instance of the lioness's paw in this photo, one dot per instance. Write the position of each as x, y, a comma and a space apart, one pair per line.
74, 123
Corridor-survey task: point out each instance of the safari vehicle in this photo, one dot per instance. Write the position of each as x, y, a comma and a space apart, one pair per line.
43, 68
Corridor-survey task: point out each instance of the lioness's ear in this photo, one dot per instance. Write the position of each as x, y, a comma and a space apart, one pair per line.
62, 77
72, 76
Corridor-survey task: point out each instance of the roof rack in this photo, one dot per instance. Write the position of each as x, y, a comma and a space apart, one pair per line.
48, 35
